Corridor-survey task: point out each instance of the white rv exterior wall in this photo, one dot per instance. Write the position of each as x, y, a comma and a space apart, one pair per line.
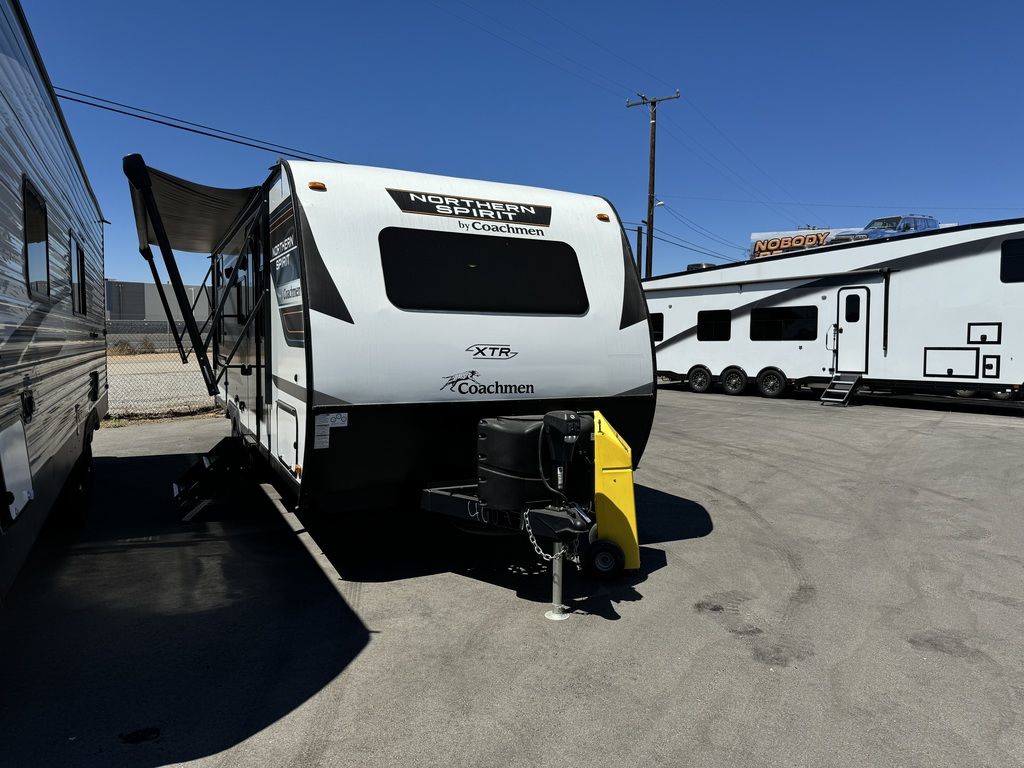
389, 355
940, 282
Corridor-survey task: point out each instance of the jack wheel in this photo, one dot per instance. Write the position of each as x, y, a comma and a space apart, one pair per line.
605, 560
734, 381
699, 379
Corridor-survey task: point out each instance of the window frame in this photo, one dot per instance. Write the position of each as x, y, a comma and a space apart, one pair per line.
81, 259
715, 323
852, 299
755, 310
1018, 245
656, 321
28, 187
394, 280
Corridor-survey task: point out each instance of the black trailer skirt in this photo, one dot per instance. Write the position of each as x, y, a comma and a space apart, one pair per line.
386, 454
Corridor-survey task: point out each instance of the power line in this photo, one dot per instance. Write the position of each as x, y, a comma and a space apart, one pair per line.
854, 205
702, 230
749, 159
184, 125
696, 250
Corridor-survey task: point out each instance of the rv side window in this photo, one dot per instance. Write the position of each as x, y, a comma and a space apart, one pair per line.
657, 320
454, 272
37, 255
853, 308
1011, 268
714, 325
76, 264
784, 324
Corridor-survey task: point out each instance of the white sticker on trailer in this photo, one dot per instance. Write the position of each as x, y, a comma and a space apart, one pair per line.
321, 441
331, 420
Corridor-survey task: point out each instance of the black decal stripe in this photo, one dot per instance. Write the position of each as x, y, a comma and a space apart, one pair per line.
644, 389
903, 262
323, 399
290, 388
322, 294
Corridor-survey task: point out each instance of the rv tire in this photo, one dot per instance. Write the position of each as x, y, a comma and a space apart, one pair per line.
605, 560
771, 382
699, 379
734, 381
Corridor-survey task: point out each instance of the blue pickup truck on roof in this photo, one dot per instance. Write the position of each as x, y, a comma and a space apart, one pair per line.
888, 226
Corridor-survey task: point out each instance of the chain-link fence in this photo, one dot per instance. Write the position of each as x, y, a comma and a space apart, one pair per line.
145, 372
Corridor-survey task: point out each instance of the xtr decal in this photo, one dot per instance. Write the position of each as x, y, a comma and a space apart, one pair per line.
491, 351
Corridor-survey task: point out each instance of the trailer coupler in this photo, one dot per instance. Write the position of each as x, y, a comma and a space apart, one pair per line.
564, 479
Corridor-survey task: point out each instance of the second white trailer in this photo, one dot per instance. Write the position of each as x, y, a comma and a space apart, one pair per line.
939, 310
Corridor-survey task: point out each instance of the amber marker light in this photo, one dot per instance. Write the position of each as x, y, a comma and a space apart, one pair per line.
603, 217
318, 186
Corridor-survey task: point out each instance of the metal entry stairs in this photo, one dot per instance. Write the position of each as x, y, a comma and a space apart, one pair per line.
840, 389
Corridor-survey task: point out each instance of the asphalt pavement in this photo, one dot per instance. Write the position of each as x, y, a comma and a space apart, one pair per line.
820, 587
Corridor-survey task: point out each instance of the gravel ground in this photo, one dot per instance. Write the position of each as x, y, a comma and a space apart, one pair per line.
152, 384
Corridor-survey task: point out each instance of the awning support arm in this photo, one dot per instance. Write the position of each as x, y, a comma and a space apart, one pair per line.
241, 335
202, 358
216, 314
147, 254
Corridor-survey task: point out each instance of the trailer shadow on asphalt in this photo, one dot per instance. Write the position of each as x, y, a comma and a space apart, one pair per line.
405, 543
133, 639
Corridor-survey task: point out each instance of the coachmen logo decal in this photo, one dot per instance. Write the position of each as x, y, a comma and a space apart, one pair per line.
467, 383
491, 351
436, 204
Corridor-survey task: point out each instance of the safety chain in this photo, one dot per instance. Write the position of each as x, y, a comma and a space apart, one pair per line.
574, 557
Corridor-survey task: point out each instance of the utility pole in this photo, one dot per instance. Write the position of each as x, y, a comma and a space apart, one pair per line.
652, 105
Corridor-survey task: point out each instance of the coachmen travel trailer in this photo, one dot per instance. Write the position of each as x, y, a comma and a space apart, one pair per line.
939, 310
382, 336
52, 348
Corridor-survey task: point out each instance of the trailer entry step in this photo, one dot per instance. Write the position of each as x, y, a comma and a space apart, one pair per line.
840, 389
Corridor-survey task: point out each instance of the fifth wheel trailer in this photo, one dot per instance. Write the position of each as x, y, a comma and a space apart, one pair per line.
940, 310
52, 350
369, 325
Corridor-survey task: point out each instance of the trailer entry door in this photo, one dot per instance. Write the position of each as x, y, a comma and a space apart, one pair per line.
852, 325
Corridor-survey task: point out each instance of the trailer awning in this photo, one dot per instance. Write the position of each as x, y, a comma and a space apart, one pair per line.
196, 217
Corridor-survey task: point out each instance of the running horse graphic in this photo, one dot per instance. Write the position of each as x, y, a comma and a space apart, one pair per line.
455, 378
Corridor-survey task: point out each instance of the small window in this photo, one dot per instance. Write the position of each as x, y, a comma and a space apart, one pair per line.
37, 253
714, 325
784, 324
657, 321
1011, 267
76, 263
454, 272
853, 308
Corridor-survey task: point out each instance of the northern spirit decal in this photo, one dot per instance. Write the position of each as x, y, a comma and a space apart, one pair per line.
435, 204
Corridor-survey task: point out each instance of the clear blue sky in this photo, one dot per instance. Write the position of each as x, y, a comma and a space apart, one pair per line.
899, 107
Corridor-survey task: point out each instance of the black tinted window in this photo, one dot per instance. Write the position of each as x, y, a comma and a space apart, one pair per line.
714, 325
784, 324
37, 256
453, 272
1011, 266
852, 308
657, 320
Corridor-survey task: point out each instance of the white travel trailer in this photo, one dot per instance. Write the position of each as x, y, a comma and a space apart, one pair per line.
52, 348
937, 310
367, 319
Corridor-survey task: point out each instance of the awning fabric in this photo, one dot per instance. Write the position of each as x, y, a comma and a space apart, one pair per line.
196, 217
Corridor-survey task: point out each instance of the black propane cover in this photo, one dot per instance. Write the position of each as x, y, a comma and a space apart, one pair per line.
513, 451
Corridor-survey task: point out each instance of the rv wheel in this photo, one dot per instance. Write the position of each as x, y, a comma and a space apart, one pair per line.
605, 559
771, 383
699, 379
1003, 395
734, 381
